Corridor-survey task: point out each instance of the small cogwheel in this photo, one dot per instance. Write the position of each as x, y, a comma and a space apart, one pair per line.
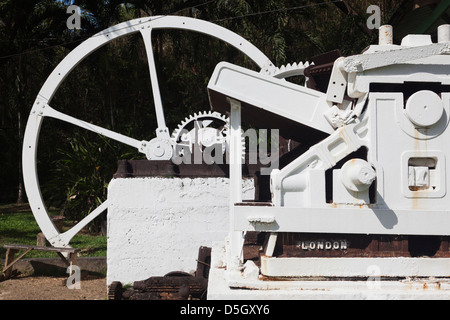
203, 129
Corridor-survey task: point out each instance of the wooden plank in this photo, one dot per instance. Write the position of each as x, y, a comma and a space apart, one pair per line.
73, 259
49, 249
66, 262
9, 265
12, 249
9, 257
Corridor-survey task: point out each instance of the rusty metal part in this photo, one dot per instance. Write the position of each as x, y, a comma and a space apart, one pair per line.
171, 288
175, 285
254, 203
147, 168
253, 246
178, 274
115, 291
353, 245
289, 149
308, 245
319, 73
203, 262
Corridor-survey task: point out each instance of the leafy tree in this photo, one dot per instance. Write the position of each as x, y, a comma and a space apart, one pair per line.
25, 26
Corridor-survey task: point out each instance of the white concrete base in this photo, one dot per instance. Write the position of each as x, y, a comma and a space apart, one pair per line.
356, 267
223, 287
157, 225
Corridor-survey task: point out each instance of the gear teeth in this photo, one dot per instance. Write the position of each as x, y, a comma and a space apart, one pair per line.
290, 70
176, 134
210, 115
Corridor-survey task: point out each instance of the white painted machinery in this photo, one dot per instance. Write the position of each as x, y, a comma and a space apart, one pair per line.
366, 189
207, 128
367, 201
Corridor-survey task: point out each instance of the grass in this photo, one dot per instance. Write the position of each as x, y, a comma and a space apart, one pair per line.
18, 226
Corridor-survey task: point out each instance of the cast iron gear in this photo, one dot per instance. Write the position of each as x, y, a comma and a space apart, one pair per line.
203, 129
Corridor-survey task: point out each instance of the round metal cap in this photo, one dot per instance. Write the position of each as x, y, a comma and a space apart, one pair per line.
357, 175
424, 108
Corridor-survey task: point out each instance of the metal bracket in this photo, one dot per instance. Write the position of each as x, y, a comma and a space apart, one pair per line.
338, 82
363, 62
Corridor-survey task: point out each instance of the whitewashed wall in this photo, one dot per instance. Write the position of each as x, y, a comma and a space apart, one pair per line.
156, 225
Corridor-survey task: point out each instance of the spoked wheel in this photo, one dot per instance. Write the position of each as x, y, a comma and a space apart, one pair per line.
159, 148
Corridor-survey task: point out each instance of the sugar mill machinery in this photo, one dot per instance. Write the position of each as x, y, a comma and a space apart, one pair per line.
206, 128
363, 194
365, 197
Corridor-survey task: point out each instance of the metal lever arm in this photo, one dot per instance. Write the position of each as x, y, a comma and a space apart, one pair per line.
323, 155
362, 62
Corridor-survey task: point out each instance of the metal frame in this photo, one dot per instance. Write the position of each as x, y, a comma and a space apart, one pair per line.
376, 121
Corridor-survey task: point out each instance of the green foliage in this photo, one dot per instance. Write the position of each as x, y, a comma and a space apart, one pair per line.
24, 26
80, 175
19, 227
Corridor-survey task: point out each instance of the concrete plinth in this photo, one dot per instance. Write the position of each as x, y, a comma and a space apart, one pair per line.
223, 286
157, 225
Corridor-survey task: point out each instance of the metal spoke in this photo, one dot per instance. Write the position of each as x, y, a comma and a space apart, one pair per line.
52, 113
162, 130
68, 235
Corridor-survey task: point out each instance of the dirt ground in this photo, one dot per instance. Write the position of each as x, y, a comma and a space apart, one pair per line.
51, 288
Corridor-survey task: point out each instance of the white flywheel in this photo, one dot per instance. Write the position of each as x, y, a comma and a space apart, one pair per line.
158, 148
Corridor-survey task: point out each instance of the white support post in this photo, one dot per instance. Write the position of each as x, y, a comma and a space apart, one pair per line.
271, 244
236, 240
235, 152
